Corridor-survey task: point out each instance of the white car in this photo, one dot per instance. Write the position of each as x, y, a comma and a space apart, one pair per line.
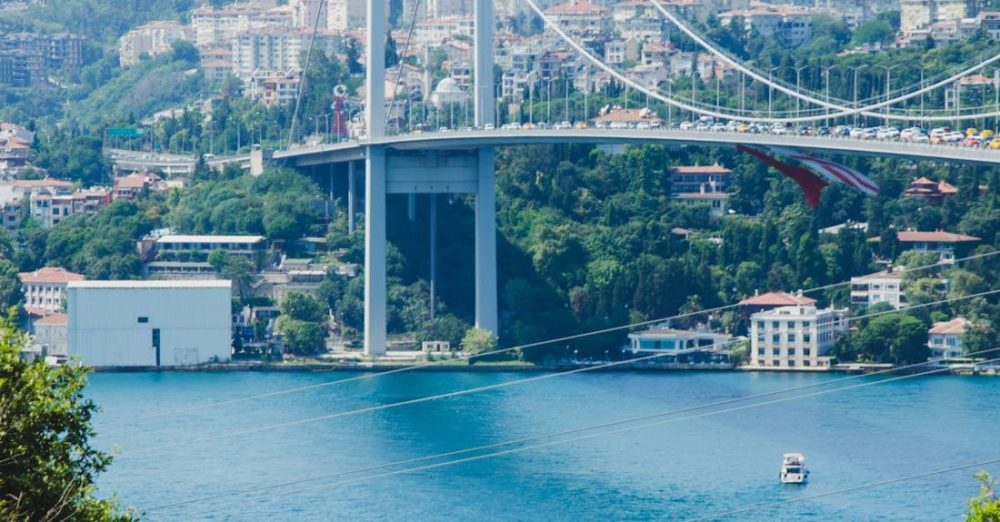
953, 137
869, 134
718, 127
920, 138
939, 132
856, 132
619, 125
686, 126
642, 125
511, 126
890, 133
563, 126
909, 133
488, 126
779, 128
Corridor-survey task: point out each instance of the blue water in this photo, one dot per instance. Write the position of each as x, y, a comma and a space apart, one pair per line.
679, 470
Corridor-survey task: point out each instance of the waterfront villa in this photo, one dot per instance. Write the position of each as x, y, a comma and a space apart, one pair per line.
795, 337
45, 289
770, 301
881, 287
681, 346
945, 338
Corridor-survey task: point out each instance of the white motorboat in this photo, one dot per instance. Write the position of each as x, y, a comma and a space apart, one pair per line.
793, 469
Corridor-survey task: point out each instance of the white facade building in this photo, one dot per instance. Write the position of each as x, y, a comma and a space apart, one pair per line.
151, 39
945, 338
49, 336
149, 323
346, 15
216, 27
45, 288
881, 287
795, 337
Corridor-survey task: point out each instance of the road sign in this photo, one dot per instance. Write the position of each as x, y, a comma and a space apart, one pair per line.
124, 132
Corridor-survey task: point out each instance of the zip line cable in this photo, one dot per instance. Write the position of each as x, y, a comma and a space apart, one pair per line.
305, 72
468, 391
368, 376
942, 471
313, 479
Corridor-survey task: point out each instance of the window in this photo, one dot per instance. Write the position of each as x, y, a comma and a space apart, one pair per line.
760, 351
775, 363
776, 338
806, 338
760, 325
143, 319
807, 351
806, 324
791, 352
791, 364
791, 338
775, 352
806, 363
776, 324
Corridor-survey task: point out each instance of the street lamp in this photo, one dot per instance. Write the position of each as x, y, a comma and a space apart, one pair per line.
856, 69
888, 81
826, 72
798, 81
770, 91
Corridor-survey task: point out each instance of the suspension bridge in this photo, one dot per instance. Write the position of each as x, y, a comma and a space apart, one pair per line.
463, 162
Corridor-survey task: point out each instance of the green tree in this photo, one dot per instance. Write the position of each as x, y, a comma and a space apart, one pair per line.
985, 507
302, 337
47, 465
477, 341
978, 339
303, 307
237, 269
898, 337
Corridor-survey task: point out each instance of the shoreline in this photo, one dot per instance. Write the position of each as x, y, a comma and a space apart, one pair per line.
376, 367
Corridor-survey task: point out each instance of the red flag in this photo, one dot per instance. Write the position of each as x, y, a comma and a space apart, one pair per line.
811, 184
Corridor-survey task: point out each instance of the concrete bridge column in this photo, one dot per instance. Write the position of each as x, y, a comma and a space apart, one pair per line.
483, 96
375, 285
486, 242
350, 198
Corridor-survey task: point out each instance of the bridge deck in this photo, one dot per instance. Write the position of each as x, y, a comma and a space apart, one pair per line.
354, 150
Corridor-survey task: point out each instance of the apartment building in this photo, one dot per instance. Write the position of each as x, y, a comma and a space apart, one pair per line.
881, 287
49, 210
791, 25
346, 15
273, 49
921, 14
45, 288
150, 39
217, 27
795, 337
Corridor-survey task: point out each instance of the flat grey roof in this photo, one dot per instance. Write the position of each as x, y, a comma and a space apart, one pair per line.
194, 283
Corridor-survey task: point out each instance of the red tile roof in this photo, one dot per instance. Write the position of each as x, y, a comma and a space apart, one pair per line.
53, 318
956, 326
701, 169
912, 236
50, 274
777, 299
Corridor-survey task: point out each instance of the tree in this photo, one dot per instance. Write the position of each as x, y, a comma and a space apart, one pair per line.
11, 291
477, 341
899, 337
303, 307
445, 328
237, 269
985, 507
979, 338
302, 337
47, 465
184, 50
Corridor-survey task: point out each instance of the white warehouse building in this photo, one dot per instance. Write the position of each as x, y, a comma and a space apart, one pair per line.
149, 323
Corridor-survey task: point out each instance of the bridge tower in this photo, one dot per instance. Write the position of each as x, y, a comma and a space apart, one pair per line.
428, 172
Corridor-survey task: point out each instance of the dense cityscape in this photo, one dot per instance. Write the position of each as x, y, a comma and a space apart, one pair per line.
235, 197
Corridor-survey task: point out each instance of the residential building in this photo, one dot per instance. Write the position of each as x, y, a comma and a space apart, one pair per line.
681, 346
149, 323
217, 27
717, 202
581, 17
791, 25
699, 178
346, 15
881, 287
150, 39
36, 55
795, 337
193, 247
216, 64
945, 338
49, 210
19, 189
49, 336
292, 275
45, 288
279, 89
434, 31
920, 14
130, 186
307, 14
946, 244
989, 21
272, 49
933, 192
770, 301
